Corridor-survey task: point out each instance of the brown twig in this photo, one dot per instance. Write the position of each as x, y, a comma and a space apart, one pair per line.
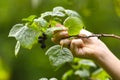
97, 35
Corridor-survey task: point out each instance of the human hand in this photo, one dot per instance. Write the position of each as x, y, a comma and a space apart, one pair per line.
82, 47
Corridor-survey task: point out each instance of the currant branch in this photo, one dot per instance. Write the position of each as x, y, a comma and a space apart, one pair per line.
96, 35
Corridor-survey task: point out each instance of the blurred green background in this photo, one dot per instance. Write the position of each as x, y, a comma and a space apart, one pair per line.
99, 16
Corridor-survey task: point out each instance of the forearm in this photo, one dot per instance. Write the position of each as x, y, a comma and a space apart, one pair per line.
110, 63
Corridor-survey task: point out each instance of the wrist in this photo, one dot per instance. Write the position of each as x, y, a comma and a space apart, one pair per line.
104, 55
109, 62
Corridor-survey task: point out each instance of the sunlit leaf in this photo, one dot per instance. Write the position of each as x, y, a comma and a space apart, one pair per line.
67, 74
74, 25
58, 55
100, 74
29, 19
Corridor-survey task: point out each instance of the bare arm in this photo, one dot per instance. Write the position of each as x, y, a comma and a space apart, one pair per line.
92, 48
110, 63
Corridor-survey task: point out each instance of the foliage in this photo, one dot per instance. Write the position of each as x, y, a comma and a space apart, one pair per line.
85, 69
58, 55
27, 35
70, 22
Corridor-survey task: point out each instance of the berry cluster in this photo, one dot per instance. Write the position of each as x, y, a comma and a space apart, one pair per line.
41, 40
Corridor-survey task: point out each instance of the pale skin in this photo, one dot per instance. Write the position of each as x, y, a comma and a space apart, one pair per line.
92, 48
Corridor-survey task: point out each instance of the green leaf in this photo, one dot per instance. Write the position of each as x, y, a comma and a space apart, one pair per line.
43, 79
29, 19
45, 14
15, 29
58, 11
47, 79
25, 35
53, 79
86, 62
17, 48
58, 14
53, 23
67, 74
72, 13
41, 22
82, 73
100, 74
50, 31
58, 55
74, 25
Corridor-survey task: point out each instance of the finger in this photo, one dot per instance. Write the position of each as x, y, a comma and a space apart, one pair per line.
60, 35
77, 42
62, 29
86, 33
55, 41
74, 49
75, 46
84, 37
90, 40
65, 42
59, 25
